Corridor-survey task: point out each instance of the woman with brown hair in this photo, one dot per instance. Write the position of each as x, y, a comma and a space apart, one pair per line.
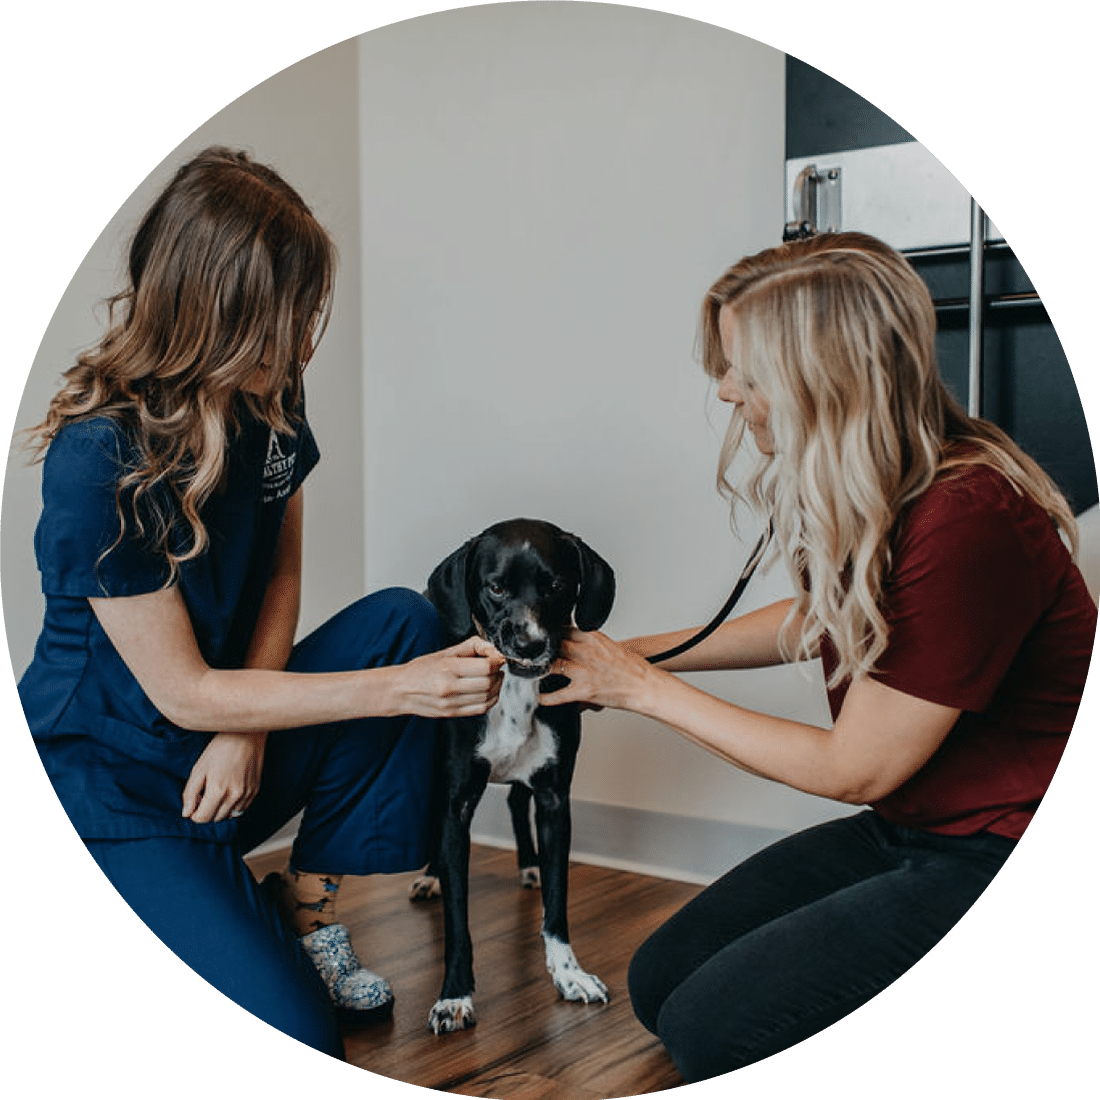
178, 721
953, 627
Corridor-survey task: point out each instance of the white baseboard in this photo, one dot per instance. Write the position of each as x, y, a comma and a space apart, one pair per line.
673, 846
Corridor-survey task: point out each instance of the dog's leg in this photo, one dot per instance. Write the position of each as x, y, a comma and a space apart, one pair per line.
554, 827
426, 885
519, 805
454, 1010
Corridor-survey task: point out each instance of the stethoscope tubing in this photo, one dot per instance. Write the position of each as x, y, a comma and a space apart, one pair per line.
738, 590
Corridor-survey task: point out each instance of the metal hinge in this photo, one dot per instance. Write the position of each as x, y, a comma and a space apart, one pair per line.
816, 203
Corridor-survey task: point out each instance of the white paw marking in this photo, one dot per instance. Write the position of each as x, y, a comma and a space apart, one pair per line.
425, 887
573, 983
452, 1015
529, 878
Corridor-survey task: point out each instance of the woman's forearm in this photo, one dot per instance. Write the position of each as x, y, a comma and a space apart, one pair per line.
795, 753
458, 682
277, 623
880, 738
749, 641
152, 634
607, 674
251, 699
276, 626
273, 638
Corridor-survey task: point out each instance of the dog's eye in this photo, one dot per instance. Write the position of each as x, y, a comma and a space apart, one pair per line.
495, 590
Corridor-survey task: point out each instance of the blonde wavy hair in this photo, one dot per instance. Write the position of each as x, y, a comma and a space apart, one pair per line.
230, 287
837, 333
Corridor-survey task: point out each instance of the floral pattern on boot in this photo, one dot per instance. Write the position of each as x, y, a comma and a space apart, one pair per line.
352, 986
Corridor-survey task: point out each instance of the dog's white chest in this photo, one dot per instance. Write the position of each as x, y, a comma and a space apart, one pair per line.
514, 742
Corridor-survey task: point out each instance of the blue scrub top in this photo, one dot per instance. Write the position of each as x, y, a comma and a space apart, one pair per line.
117, 764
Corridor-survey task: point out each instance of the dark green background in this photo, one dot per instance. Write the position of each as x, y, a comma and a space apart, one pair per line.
97, 94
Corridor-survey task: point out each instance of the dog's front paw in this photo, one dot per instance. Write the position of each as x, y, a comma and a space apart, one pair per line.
529, 878
456, 1014
573, 983
424, 887
577, 985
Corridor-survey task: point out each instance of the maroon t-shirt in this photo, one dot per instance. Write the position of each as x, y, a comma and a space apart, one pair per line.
987, 613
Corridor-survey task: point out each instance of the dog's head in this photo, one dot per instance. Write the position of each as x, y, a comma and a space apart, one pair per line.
522, 584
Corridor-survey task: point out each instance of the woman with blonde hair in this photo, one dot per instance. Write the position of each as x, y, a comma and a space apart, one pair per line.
178, 720
933, 580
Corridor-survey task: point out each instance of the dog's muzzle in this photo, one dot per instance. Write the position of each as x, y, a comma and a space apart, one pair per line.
528, 669
527, 656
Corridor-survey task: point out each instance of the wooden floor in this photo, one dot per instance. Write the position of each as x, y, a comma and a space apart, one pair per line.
528, 1042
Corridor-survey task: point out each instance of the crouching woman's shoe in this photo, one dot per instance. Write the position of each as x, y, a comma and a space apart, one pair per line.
355, 990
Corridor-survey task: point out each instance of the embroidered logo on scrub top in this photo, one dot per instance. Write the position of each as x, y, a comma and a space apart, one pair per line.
278, 470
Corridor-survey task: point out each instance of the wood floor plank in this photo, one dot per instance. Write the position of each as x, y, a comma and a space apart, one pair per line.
529, 1044
523, 1086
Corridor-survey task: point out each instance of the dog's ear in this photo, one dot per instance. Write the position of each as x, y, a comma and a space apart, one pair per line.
447, 592
597, 589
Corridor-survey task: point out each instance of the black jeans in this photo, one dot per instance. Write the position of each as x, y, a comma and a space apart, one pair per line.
801, 934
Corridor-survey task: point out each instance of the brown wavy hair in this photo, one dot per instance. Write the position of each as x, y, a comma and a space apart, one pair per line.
837, 332
230, 288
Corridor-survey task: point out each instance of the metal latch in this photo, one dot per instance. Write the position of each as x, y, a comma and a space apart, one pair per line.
816, 203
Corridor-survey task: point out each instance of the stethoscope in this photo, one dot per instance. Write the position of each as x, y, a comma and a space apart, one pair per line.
738, 589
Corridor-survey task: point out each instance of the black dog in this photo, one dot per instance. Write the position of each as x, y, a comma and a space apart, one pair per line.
522, 585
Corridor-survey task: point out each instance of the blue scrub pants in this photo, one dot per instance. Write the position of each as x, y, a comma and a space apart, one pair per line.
363, 787
801, 934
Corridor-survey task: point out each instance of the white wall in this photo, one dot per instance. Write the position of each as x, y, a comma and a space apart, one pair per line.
548, 190
529, 201
304, 121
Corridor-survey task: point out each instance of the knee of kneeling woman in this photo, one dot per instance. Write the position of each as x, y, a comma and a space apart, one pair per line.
696, 1044
414, 619
645, 996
